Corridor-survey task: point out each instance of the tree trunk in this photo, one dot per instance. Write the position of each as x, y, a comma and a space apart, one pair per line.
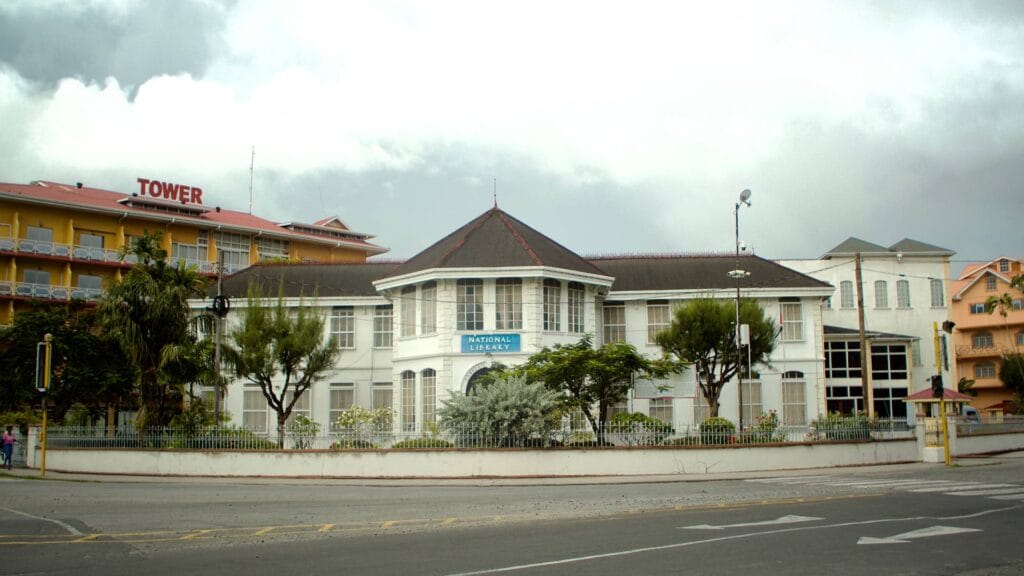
282, 418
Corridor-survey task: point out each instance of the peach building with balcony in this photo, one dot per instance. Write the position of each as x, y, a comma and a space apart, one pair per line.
981, 338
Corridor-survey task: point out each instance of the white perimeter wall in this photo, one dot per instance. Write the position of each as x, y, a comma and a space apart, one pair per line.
478, 463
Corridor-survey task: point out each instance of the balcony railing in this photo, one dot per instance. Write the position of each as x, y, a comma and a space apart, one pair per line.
983, 351
47, 291
76, 252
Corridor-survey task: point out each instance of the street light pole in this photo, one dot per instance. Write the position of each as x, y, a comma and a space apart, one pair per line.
738, 273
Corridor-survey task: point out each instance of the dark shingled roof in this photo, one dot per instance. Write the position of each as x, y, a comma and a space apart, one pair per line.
681, 272
909, 246
322, 280
852, 245
495, 240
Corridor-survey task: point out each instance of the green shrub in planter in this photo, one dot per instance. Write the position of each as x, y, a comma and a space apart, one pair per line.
838, 427
717, 430
423, 443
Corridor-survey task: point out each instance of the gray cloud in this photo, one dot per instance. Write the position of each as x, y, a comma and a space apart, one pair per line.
47, 43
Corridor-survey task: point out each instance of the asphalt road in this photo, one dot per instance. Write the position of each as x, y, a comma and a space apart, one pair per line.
908, 519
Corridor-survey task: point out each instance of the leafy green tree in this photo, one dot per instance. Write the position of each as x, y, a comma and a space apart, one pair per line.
702, 333
88, 367
277, 344
1003, 304
148, 313
1012, 375
586, 376
507, 412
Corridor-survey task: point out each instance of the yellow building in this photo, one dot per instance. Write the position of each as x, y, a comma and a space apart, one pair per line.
982, 338
60, 242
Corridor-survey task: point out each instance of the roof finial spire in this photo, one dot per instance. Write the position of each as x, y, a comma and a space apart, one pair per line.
495, 192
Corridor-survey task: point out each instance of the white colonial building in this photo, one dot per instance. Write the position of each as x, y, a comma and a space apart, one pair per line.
496, 291
905, 292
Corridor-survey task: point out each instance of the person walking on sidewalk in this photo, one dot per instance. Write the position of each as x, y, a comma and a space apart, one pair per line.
7, 442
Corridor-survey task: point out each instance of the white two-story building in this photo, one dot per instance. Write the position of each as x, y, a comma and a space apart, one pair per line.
496, 291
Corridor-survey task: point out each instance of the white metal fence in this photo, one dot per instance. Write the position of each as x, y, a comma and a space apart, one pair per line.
474, 437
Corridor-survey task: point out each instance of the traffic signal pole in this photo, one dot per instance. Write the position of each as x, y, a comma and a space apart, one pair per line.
938, 391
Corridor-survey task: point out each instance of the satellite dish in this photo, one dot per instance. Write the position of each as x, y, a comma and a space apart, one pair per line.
745, 196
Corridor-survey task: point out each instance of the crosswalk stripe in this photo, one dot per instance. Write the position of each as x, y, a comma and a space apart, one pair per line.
960, 487
884, 483
784, 479
1008, 497
996, 492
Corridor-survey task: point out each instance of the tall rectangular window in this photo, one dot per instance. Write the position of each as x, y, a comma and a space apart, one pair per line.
657, 318
301, 406
343, 397
842, 359
661, 408
794, 401
382, 329
1004, 265
903, 293
881, 294
990, 283
382, 395
254, 410
614, 322
343, 326
792, 321
846, 294
469, 305
235, 248
508, 293
575, 304
429, 395
428, 308
552, 305
752, 405
407, 302
938, 297
273, 249
408, 401
888, 362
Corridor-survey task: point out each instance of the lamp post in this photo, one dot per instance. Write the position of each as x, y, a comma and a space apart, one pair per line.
737, 273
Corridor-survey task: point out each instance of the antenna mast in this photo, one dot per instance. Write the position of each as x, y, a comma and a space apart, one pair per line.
495, 191
252, 165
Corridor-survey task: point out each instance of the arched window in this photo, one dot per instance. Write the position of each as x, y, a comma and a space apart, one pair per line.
846, 294
429, 379
409, 400
794, 398
881, 294
475, 379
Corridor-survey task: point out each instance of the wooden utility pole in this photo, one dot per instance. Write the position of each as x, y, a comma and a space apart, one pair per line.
865, 351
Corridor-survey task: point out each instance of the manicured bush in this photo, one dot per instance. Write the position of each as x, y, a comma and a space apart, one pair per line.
424, 442
717, 430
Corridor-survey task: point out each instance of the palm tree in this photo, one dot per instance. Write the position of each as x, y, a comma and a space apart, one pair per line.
148, 313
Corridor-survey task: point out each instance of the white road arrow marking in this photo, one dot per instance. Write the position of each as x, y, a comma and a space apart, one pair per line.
922, 533
780, 520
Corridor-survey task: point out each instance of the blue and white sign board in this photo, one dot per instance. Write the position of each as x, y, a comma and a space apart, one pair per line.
489, 343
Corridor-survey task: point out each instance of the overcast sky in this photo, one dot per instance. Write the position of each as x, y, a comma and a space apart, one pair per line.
625, 127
